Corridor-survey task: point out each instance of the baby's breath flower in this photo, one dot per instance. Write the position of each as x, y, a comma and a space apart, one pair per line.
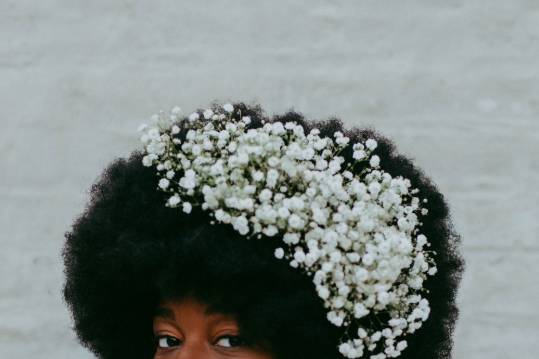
359, 154
374, 161
174, 200
228, 107
163, 183
187, 207
193, 117
355, 233
208, 113
371, 144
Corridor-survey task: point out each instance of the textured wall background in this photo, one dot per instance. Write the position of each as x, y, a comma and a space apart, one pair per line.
454, 83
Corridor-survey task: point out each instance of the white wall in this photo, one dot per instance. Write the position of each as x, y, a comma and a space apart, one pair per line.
454, 83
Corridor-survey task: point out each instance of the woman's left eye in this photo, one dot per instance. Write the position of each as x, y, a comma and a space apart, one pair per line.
230, 341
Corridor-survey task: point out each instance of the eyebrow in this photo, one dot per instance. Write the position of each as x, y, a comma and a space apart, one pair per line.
164, 313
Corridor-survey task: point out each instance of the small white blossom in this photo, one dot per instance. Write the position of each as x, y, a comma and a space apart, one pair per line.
360, 310
279, 253
208, 113
323, 292
371, 144
374, 161
174, 200
170, 174
228, 107
359, 155
163, 183
273, 161
265, 195
194, 116
147, 161
402, 345
295, 221
187, 207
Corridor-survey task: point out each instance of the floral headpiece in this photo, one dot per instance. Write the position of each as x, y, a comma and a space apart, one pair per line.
355, 234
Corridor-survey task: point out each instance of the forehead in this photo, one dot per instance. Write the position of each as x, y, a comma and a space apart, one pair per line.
189, 307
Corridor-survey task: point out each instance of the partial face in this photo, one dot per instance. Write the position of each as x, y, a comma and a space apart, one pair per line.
183, 330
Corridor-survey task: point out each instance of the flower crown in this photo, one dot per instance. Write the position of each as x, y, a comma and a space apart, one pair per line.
354, 232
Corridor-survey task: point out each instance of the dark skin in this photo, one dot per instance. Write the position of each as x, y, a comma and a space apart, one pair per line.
186, 330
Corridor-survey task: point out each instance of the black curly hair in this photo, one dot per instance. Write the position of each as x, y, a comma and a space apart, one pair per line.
127, 252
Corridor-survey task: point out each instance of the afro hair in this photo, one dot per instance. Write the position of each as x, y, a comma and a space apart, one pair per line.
127, 251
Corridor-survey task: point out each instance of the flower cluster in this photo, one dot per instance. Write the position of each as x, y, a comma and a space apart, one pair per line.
354, 230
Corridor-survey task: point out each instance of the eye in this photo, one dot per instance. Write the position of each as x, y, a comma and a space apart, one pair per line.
230, 341
167, 341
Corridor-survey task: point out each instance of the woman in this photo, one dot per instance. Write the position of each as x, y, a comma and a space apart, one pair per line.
149, 280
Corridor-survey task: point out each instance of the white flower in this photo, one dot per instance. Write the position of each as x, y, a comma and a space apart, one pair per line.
170, 174
335, 256
360, 310
362, 333
345, 349
374, 188
257, 175
376, 336
374, 161
279, 253
189, 179
295, 221
402, 345
359, 155
283, 212
323, 292
270, 230
241, 225
421, 240
265, 195
273, 161
299, 256
147, 161
163, 183
228, 107
361, 274
174, 200
383, 297
291, 238
190, 135
187, 207
371, 144
368, 259
194, 116
208, 113
335, 318
271, 177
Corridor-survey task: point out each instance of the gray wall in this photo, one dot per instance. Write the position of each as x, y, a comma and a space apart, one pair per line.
454, 83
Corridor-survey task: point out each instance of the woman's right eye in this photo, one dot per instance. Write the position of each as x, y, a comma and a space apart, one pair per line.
167, 341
